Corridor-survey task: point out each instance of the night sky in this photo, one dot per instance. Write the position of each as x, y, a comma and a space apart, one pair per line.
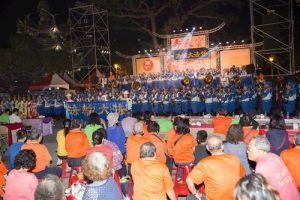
11, 10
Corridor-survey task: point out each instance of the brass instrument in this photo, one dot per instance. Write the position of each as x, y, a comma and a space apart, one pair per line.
188, 96
260, 87
136, 85
98, 86
186, 81
220, 94
235, 80
113, 84
208, 79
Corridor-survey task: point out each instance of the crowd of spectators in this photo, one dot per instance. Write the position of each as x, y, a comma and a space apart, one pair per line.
233, 163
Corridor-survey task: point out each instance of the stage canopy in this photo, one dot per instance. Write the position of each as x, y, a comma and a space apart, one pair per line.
52, 81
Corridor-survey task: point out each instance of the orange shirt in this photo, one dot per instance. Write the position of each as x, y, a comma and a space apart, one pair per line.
151, 180
77, 143
43, 156
221, 124
161, 146
133, 145
219, 173
184, 149
3, 171
171, 138
291, 158
249, 132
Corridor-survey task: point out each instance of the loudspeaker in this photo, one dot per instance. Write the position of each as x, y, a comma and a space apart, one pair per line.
250, 69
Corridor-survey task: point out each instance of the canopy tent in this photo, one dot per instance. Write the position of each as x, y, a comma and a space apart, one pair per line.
52, 81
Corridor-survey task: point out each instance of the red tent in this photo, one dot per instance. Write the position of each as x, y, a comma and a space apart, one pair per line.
52, 81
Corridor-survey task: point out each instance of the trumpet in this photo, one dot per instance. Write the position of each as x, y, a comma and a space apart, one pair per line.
208, 79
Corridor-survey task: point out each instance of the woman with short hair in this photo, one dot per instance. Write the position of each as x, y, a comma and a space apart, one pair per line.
98, 170
235, 145
21, 183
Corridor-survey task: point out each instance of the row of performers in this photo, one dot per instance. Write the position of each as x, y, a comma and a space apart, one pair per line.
208, 100
32, 107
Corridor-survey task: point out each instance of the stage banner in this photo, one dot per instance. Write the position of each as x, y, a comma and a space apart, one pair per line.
82, 110
208, 61
190, 53
148, 65
188, 42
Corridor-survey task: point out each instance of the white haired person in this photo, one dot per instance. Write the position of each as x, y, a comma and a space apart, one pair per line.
98, 170
272, 168
50, 188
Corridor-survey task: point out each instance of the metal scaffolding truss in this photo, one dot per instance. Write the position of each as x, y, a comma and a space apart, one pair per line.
90, 43
272, 24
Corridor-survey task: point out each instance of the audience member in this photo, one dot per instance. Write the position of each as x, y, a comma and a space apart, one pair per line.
110, 149
248, 130
97, 169
43, 157
21, 184
128, 123
165, 123
291, 158
221, 122
200, 149
4, 117
235, 145
158, 141
254, 187
77, 144
62, 153
14, 118
133, 144
15, 148
220, 172
152, 179
50, 188
277, 135
184, 146
115, 132
272, 168
3, 172
92, 125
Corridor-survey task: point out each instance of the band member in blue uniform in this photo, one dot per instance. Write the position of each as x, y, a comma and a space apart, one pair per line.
186, 97
177, 98
208, 101
166, 99
290, 99
245, 98
194, 101
266, 96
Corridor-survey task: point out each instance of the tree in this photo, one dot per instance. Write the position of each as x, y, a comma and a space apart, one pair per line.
161, 16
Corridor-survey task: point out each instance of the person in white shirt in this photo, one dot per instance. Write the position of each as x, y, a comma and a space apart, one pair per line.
14, 118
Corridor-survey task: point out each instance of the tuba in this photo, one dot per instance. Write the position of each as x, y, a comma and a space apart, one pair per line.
208, 79
113, 84
186, 81
136, 85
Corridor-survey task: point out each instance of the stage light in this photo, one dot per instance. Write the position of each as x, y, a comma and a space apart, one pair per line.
158, 50
220, 42
163, 49
145, 51
150, 50
174, 31
200, 27
243, 41
212, 44
227, 42
180, 30
194, 28
233, 42
187, 29
139, 51
271, 59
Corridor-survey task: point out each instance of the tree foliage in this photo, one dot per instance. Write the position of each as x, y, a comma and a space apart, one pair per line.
162, 16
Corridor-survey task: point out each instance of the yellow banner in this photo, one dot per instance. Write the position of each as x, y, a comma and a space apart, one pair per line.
188, 42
